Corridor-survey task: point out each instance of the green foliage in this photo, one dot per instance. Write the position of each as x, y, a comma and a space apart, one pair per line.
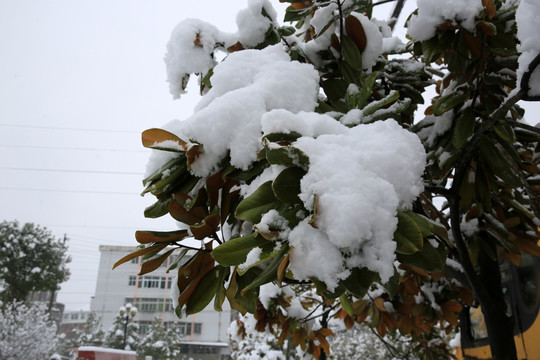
31, 260
481, 159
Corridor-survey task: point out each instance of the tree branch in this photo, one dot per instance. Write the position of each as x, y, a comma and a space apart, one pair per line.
525, 80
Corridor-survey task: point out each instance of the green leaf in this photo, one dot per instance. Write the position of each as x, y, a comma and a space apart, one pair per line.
205, 291
425, 225
463, 128
205, 81
429, 258
257, 204
323, 289
158, 209
221, 291
268, 252
379, 104
248, 299
146, 237
346, 305
492, 155
392, 285
172, 163
505, 132
350, 74
235, 251
282, 137
334, 89
367, 88
287, 155
292, 14
286, 30
177, 260
408, 235
241, 175
351, 53
448, 102
359, 282
269, 273
286, 186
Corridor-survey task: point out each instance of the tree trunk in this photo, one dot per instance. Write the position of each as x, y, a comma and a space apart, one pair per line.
499, 325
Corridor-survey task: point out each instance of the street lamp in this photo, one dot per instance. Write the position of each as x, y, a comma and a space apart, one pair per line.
127, 312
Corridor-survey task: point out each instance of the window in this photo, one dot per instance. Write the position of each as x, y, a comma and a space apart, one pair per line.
135, 260
151, 304
157, 282
184, 328
74, 316
144, 326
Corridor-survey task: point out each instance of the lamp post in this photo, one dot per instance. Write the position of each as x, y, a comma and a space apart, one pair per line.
127, 312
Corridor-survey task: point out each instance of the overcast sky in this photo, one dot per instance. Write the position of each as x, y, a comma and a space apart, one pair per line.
79, 82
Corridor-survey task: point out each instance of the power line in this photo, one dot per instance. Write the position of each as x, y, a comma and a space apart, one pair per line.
75, 171
96, 227
67, 128
68, 191
71, 148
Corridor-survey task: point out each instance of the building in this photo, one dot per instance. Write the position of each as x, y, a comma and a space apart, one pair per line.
205, 333
73, 320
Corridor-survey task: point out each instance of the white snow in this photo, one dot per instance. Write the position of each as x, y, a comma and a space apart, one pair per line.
252, 257
431, 13
528, 17
247, 84
190, 51
252, 25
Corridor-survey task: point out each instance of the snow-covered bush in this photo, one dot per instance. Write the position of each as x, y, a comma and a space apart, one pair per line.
26, 331
160, 342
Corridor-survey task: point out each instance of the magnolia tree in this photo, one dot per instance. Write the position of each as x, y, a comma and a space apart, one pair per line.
306, 163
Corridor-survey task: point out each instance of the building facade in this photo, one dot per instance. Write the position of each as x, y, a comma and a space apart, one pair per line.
73, 320
151, 295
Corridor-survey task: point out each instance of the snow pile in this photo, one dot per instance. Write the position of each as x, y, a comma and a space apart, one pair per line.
247, 84
358, 190
193, 43
252, 24
190, 51
527, 18
431, 13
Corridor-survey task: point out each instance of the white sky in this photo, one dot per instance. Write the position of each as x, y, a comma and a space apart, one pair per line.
79, 82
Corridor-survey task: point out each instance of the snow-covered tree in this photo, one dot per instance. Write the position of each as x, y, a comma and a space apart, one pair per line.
306, 162
121, 332
91, 334
31, 259
26, 331
160, 342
